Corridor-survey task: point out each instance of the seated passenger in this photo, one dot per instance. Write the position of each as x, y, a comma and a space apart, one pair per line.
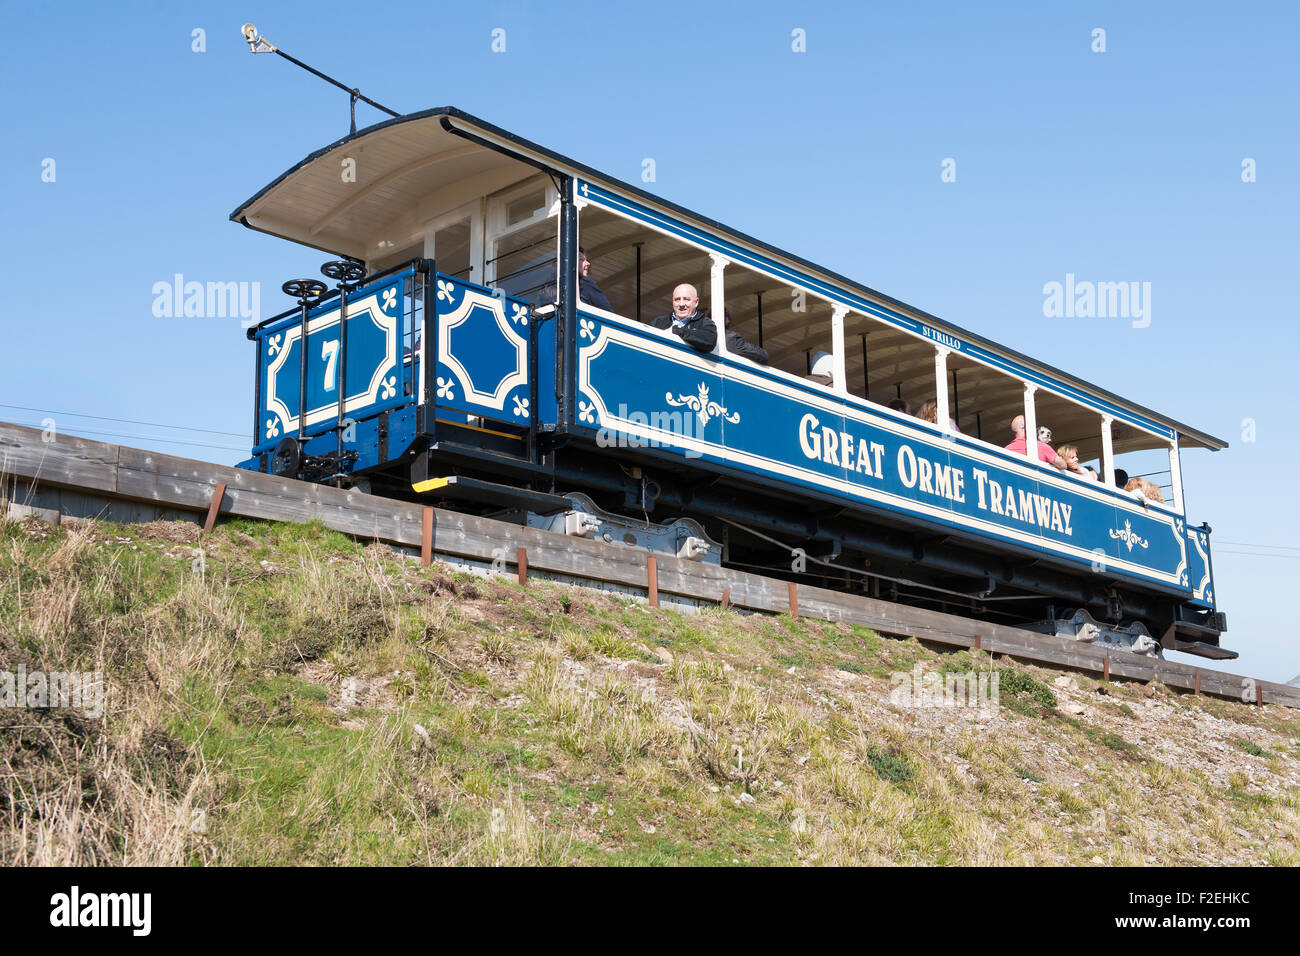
1144, 490
823, 369
1045, 451
1070, 455
686, 320
898, 405
737, 345
588, 291
930, 413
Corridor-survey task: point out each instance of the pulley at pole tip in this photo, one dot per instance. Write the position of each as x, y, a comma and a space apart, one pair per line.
256, 42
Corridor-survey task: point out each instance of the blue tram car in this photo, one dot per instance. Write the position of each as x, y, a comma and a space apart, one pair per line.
462, 354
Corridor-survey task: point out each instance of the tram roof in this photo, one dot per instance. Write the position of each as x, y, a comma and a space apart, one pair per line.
311, 204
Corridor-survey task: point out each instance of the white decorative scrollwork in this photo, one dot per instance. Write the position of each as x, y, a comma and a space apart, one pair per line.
587, 329
272, 427
389, 387
275, 346
390, 298
1128, 535
521, 407
444, 388
518, 313
703, 408
587, 413
445, 289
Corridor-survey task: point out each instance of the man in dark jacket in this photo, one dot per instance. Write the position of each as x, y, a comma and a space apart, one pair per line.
737, 345
695, 328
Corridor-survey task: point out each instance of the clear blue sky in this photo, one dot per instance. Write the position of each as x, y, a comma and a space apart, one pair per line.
1114, 166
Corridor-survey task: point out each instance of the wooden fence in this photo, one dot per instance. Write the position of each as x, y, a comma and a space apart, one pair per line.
80, 477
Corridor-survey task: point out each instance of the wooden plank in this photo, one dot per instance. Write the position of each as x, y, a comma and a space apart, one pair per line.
478, 538
17, 512
66, 461
948, 629
426, 537
696, 579
102, 506
521, 559
252, 495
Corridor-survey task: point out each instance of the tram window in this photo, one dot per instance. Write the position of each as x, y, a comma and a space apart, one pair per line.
884, 365
794, 330
413, 251
889, 367
523, 262
1062, 423
528, 206
637, 268
451, 249
1141, 455
981, 400
522, 240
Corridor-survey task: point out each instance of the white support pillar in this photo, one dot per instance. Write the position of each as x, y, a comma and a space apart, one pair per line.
1031, 424
941, 386
1107, 452
477, 243
717, 299
1176, 475
841, 384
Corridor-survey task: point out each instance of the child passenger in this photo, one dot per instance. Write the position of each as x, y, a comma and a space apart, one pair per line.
1070, 454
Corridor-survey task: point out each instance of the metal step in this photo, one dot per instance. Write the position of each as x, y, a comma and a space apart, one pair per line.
1201, 649
1199, 639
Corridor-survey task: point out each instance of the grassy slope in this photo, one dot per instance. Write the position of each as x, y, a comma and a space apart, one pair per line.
300, 698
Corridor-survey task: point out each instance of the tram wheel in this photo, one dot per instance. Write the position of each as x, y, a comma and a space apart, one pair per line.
286, 459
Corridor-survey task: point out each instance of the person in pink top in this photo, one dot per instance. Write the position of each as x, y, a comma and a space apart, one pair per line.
1046, 453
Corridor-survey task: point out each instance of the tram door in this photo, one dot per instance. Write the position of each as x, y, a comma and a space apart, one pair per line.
481, 379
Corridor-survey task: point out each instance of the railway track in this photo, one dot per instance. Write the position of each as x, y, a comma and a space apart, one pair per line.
77, 477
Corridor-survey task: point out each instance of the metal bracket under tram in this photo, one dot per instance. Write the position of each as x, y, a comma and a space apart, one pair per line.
681, 538
1083, 627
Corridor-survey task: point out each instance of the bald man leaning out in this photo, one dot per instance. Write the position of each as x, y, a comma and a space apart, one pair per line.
695, 328
1046, 453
